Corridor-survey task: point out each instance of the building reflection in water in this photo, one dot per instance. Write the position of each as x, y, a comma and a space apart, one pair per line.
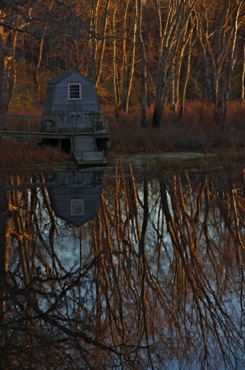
162, 286
75, 196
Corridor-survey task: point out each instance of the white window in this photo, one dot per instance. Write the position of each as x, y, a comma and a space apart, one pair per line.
77, 207
74, 91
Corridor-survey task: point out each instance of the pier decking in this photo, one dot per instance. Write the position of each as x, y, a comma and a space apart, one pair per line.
83, 143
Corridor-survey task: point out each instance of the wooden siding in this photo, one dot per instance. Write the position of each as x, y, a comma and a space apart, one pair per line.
79, 120
57, 95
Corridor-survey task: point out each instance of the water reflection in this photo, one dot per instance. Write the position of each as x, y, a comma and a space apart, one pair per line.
158, 282
75, 196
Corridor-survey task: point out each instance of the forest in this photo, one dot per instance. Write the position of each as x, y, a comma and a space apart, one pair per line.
149, 53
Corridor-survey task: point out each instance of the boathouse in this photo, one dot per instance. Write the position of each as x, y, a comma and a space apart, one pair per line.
71, 102
72, 105
71, 118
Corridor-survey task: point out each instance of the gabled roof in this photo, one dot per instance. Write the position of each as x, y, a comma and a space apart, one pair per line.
65, 75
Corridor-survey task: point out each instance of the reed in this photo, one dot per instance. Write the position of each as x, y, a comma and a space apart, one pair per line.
199, 129
18, 152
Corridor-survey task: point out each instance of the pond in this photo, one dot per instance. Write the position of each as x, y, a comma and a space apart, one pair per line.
122, 268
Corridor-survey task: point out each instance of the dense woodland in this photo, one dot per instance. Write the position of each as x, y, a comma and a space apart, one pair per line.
139, 52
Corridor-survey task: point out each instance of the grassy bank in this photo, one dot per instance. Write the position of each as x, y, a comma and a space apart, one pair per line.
15, 152
199, 130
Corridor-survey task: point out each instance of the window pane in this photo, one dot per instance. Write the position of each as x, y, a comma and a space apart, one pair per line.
77, 207
74, 91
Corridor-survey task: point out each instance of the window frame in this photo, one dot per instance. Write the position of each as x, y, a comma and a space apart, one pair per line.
69, 90
77, 207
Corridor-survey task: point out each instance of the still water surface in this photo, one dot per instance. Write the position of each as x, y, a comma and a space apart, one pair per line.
122, 269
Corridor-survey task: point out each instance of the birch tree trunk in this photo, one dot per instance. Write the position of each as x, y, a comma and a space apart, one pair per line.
218, 38
143, 70
101, 52
99, 18
115, 67
36, 78
173, 37
124, 49
180, 70
187, 73
226, 80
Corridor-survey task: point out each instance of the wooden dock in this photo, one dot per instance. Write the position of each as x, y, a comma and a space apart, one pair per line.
85, 151
83, 143
51, 135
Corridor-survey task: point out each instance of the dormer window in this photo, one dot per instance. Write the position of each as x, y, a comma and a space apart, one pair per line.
74, 91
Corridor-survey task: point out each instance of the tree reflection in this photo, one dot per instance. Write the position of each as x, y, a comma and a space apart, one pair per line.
162, 284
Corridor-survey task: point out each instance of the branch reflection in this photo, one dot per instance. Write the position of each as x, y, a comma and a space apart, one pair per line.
155, 279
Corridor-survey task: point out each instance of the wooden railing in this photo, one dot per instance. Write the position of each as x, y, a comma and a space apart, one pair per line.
25, 123
34, 123
50, 135
34, 134
29, 127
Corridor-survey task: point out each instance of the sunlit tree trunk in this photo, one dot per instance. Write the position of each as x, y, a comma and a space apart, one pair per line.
178, 13
93, 27
230, 57
99, 18
124, 48
128, 62
7, 67
3, 99
187, 72
218, 41
138, 6
101, 52
178, 67
115, 66
36, 78
182, 69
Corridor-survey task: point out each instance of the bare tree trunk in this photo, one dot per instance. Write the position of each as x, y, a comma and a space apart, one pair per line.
243, 76
7, 69
188, 70
128, 65
178, 66
225, 91
138, 5
4, 264
40, 54
101, 53
115, 67
92, 40
3, 103
219, 48
3, 229
173, 37
124, 57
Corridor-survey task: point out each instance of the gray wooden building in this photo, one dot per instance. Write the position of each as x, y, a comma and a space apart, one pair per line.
71, 102
72, 106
